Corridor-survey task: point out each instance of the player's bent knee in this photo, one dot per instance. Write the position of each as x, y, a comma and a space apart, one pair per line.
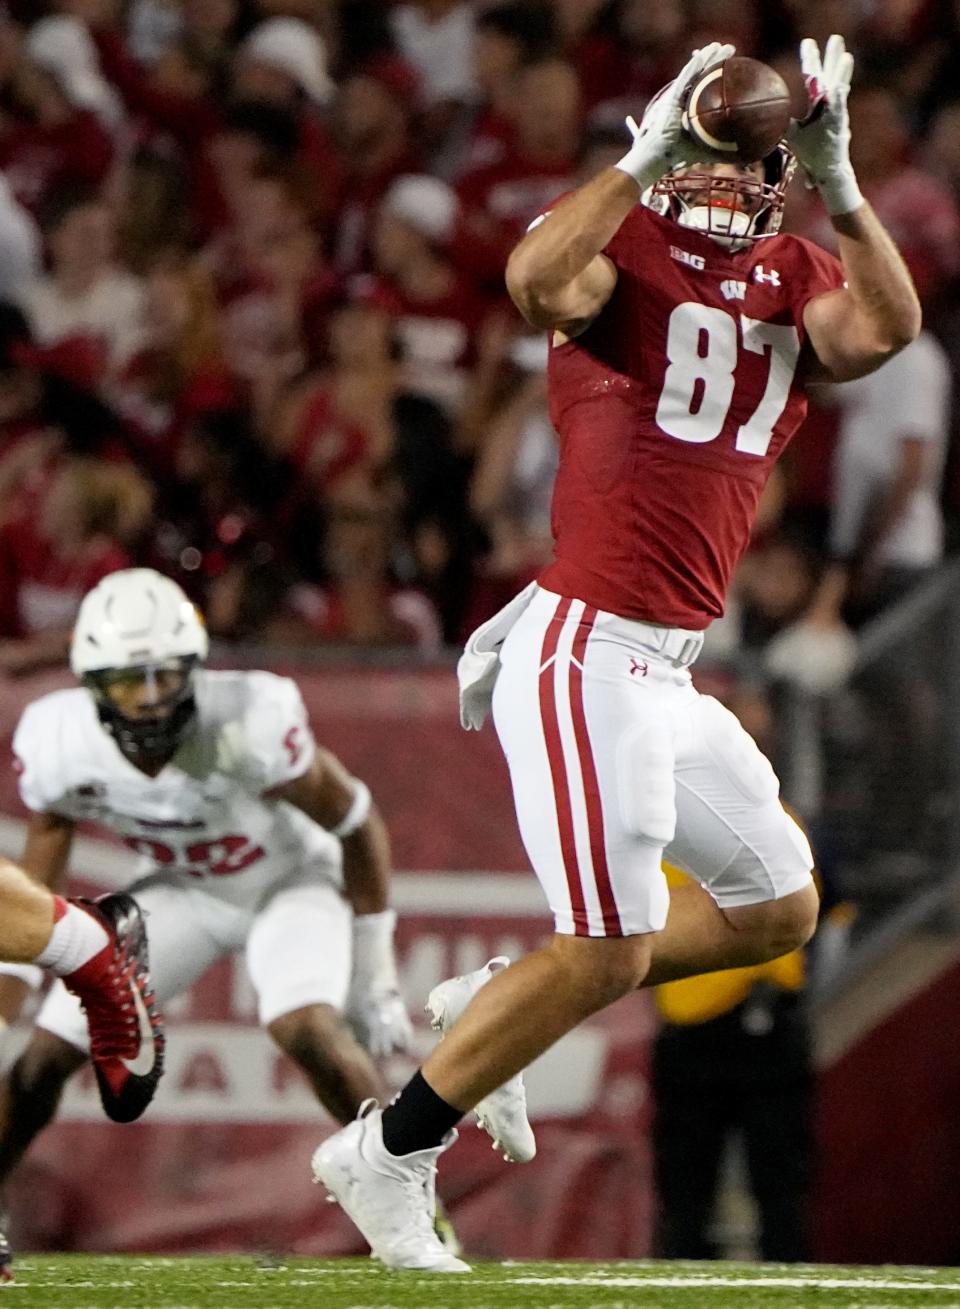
602, 969
796, 921
304, 1032
776, 927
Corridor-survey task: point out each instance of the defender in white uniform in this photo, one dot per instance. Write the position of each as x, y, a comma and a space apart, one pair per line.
251, 838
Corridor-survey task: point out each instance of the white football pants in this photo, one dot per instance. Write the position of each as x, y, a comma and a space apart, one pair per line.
298, 947
617, 762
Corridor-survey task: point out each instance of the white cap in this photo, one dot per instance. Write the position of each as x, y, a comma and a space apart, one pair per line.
293, 47
63, 46
132, 617
426, 203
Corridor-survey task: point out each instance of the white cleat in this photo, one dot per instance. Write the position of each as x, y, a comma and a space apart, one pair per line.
503, 1113
391, 1199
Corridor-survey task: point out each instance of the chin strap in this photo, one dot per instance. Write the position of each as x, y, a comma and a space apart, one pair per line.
150, 739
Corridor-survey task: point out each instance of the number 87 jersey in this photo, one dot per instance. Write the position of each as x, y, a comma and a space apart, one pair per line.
671, 408
207, 819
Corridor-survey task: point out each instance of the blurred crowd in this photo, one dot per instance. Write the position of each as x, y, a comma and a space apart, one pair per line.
253, 327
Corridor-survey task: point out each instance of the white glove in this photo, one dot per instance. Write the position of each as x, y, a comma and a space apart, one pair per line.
821, 140
374, 1007
659, 144
812, 657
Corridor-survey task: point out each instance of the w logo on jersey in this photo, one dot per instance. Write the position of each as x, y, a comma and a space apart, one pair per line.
773, 277
733, 290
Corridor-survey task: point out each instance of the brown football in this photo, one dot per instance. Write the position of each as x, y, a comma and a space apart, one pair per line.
739, 109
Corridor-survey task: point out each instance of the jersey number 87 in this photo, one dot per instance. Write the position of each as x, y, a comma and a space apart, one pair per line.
702, 350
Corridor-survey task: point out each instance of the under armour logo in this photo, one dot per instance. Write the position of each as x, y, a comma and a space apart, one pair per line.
773, 277
641, 667
733, 290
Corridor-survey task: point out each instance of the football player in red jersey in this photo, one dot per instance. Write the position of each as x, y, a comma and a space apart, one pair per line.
684, 328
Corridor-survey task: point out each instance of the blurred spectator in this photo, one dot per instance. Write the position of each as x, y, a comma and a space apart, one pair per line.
86, 293
90, 517
282, 61
335, 425
438, 312
512, 486
436, 39
179, 368
63, 46
942, 152
502, 198
222, 489
20, 243
353, 432
47, 142
887, 528
216, 24
918, 211
152, 27
275, 290
361, 603
623, 61
374, 132
269, 119
507, 36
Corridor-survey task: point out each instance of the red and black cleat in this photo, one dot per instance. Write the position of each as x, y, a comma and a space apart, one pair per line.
6, 1259
126, 1026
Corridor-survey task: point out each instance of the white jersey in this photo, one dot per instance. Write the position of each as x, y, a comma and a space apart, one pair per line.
204, 820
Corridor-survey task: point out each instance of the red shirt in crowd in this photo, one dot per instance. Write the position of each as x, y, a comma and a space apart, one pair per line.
39, 160
41, 588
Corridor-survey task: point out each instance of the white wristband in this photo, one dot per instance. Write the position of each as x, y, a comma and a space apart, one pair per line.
29, 974
840, 192
373, 958
638, 168
356, 815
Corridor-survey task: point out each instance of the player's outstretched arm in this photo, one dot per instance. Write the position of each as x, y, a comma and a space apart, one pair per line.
558, 276
328, 794
854, 330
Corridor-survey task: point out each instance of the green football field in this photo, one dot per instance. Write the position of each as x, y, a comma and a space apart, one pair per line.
139, 1282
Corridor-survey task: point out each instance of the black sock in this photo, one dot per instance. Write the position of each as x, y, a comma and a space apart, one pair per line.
417, 1119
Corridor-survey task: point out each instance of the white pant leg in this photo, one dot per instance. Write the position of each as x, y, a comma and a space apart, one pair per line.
733, 835
300, 948
180, 944
590, 753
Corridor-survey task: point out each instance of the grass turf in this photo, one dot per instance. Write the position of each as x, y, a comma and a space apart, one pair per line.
140, 1282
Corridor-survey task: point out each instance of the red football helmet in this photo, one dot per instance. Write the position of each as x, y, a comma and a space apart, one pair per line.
733, 209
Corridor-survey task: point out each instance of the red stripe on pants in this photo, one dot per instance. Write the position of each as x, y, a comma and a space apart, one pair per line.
558, 767
591, 787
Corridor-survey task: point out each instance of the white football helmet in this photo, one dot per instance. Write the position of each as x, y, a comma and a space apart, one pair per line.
137, 627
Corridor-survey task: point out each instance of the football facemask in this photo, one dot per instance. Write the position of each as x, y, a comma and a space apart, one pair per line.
733, 210
147, 709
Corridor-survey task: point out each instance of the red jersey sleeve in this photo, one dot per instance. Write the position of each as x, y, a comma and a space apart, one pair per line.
817, 272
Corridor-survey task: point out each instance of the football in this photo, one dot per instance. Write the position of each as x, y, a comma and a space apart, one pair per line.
739, 109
